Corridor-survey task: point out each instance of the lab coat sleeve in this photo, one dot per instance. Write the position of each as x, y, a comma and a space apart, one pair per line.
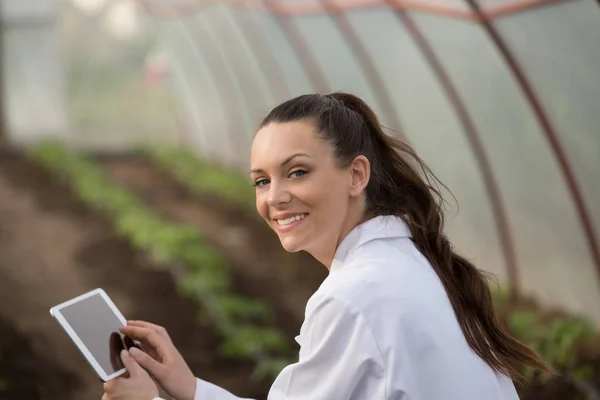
208, 391
339, 360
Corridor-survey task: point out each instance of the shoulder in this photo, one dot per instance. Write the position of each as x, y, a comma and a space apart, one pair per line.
384, 283
331, 306
381, 271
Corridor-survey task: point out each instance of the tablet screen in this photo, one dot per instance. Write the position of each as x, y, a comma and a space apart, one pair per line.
97, 326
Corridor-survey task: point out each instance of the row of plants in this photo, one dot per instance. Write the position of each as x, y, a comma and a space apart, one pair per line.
560, 340
201, 273
201, 177
569, 344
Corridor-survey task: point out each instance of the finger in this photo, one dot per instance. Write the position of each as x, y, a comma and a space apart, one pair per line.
149, 338
131, 331
155, 368
157, 328
115, 345
110, 386
147, 349
133, 368
127, 339
144, 346
140, 333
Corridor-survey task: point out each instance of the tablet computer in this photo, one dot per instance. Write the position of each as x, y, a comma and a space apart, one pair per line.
92, 321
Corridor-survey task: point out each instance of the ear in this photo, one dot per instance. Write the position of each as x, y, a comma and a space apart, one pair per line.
360, 173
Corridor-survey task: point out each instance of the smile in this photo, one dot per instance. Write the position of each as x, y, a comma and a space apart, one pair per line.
285, 224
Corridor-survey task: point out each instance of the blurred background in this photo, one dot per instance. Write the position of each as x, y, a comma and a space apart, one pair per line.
125, 129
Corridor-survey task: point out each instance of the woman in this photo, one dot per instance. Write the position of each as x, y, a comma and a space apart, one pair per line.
400, 316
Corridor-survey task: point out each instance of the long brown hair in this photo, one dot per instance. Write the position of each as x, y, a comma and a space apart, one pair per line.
402, 184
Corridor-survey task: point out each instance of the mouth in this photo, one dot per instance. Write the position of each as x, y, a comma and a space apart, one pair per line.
290, 221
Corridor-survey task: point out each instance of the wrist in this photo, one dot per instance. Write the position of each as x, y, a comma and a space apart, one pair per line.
190, 392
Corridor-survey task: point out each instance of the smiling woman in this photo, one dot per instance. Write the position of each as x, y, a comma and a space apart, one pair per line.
400, 316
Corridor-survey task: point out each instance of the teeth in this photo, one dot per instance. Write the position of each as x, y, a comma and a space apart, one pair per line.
289, 220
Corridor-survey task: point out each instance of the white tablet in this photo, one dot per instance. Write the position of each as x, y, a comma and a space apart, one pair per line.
92, 322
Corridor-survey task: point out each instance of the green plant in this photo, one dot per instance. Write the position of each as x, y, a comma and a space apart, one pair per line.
200, 272
201, 177
558, 341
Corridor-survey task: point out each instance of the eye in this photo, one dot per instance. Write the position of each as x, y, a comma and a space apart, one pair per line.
298, 173
261, 182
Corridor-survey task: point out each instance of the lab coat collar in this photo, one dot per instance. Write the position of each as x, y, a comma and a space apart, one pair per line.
380, 227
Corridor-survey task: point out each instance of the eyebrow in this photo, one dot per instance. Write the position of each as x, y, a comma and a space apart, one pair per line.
285, 162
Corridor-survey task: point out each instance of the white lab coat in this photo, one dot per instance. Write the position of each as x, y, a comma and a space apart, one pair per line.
381, 327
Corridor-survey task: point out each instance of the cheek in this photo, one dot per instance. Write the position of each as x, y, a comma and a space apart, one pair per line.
261, 204
328, 199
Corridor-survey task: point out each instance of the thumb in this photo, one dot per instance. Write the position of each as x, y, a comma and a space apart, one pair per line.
132, 367
148, 363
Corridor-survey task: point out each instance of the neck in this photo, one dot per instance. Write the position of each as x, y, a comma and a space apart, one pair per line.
353, 219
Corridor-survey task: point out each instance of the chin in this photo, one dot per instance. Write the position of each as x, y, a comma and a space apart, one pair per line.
290, 244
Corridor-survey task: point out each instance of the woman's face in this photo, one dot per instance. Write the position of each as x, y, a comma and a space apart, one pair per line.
301, 193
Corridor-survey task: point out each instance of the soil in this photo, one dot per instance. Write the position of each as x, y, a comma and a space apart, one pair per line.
53, 248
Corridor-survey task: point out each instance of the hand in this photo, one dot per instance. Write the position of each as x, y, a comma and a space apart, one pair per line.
137, 386
161, 359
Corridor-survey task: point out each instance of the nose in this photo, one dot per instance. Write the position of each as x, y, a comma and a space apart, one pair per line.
278, 195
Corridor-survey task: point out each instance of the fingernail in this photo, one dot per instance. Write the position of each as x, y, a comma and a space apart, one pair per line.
135, 351
124, 353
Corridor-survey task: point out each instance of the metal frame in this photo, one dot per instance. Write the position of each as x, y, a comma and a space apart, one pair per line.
228, 93
366, 64
474, 138
256, 40
307, 60
310, 65
549, 132
298, 9
188, 93
209, 77
250, 87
